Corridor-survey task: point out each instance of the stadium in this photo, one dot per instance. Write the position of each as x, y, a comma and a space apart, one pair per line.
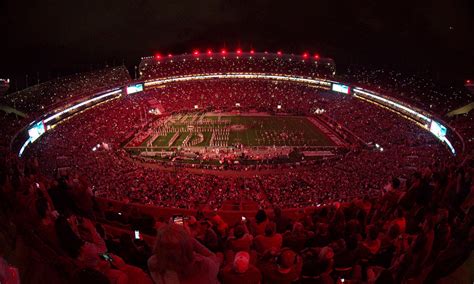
233, 112
216, 138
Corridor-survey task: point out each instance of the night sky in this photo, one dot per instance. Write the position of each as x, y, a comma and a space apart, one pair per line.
60, 36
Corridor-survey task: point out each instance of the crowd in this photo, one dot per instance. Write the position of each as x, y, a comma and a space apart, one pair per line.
400, 212
360, 171
419, 231
420, 91
259, 95
38, 98
47, 232
153, 67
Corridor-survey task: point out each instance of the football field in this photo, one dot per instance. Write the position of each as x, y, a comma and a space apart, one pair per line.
211, 130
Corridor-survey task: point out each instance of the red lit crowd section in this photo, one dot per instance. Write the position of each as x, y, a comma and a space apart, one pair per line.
76, 207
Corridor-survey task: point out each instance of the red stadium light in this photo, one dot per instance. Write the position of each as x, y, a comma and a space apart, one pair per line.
468, 81
196, 52
223, 51
252, 51
316, 56
157, 56
305, 55
170, 55
279, 52
239, 51
209, 52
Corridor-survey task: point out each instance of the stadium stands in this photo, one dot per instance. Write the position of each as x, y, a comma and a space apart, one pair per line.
157, 66
39, 98
78, 208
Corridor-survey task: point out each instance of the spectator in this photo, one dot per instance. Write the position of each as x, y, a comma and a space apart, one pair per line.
207, 236
260, 223
281, 266
297, 239
282, 222
178, 258
372, 243
269, 241
241, 271
241, 240
87, 255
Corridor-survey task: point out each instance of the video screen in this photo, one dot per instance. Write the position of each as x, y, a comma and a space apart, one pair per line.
36, 131
437, 129
134, 89
341, 88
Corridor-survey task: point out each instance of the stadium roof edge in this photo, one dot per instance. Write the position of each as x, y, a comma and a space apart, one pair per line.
462, 110
9, 109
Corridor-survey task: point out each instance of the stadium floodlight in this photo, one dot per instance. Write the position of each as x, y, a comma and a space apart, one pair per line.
316, 56
170, 55
252, 51
196, 52
239, 51
305, 55
209, 52
157, 56
278, 52
223, 51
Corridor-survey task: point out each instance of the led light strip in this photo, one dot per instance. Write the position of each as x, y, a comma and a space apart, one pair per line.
276, 77
397, 105
24, 147
108, 94
81, 104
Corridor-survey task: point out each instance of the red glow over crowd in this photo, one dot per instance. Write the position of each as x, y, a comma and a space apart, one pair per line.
70, 214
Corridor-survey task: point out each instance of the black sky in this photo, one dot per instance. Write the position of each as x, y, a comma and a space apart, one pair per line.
61, 35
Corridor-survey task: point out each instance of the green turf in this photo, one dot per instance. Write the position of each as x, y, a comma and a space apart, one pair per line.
162, 141
259, 131
275, 125
180, 139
